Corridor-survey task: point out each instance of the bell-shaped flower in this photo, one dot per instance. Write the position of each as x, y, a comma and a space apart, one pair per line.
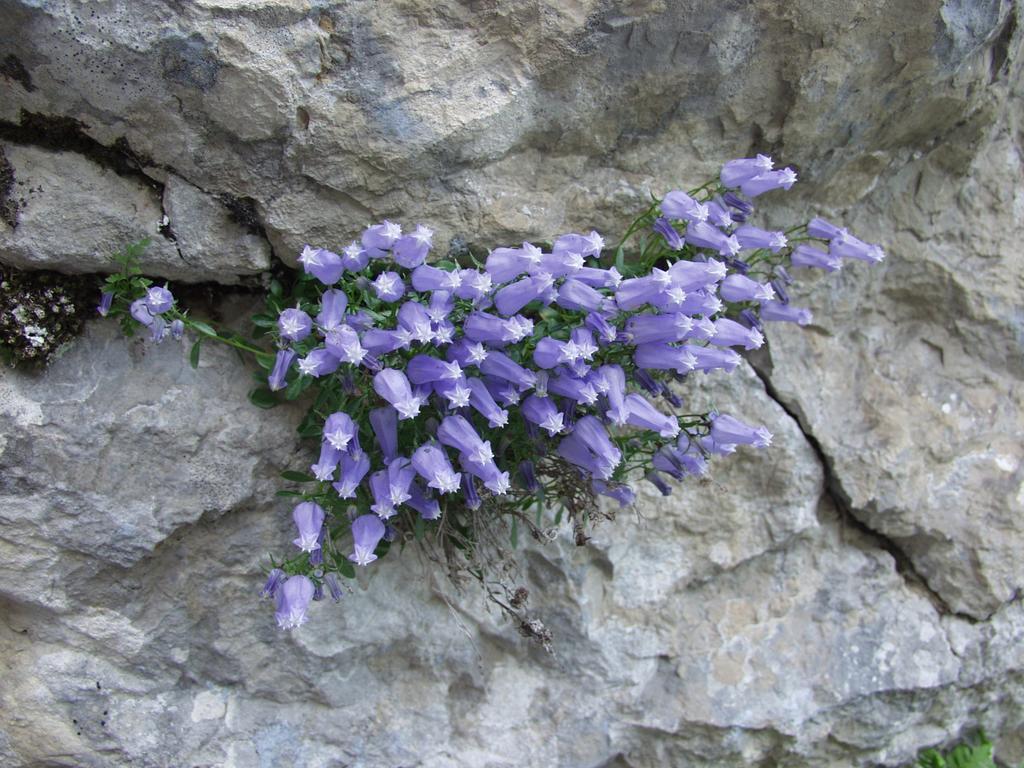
457, 392
606, 332
343, 342
514, 296
824, 230
738, 204
719, 215
502, 366
140, 312
319, 362
423, 369
441, 305
543, 412
326, 465
562, 263
423, 502
353, 469
367, 531
583, 341
849, 247
431, 463
778, 312
729, 333
389, 286
354, 257
655, 479
470, 495
704, 235
333, 587
637, 291
671, 235
333, 304
614, 379
605, 457
488, 328
641, 413
427, 278
339, 429
671, 326
768, 181
159, 300
293, 598
678, 205
703, 329
294, 324
379, 342
755, 237
585, 245
274, 581
309, 519
467, 353
106, 300
621, 492
736, 172
481, 400
576, 389
727, 429
456, 432
475, 285
394, 387
699, 302
550, 353
326, 266
282, 362
808, 256
710, 358
384, 422
576, 295
659, 356
410, 250
177, 329
379, 238
414, 319
742, 288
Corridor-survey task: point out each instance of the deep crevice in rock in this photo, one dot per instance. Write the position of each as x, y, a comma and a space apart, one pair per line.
66, 134
762, 365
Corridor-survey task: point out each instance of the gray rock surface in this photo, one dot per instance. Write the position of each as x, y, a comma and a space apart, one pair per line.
844, 598
71, 213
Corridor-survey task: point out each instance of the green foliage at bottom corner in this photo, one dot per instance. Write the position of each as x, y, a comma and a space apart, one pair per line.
976, 753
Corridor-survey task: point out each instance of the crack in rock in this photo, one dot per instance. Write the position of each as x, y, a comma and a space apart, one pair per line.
762, 365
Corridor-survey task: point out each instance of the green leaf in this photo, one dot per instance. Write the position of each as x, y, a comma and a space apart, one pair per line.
297, 477
264, 321
620, 259
289, 494
297, 387
310, 430
276, 289
419, 528
202, 327
514, 535
262, 397
193, 355
345, 568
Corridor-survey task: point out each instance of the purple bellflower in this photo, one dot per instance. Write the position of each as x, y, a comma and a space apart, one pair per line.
367, 531
282, 362
384, 422
678, 205
379, 238
736, 172
742, 288
428, 278
319, 362
543, 412
352, 471
777, 311
768, 181
354, 257
106, 299
394, 387
326, 266
159, 300
274, 580
410, 250
309, 519
389, 286
729, 333
672, 237
343, 342
808, 256
333, 305
755, 237
481, 400
294, 324
293, 598
339, 429
726, 429
431, 463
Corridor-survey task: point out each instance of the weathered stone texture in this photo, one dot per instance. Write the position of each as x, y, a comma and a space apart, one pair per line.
844, 598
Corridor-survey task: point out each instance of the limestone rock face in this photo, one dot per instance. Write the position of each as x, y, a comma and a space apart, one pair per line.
846, 597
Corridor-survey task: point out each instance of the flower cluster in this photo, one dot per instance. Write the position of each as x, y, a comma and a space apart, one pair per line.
441, 387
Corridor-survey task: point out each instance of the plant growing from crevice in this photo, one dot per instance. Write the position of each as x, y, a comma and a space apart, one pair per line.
460, 406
